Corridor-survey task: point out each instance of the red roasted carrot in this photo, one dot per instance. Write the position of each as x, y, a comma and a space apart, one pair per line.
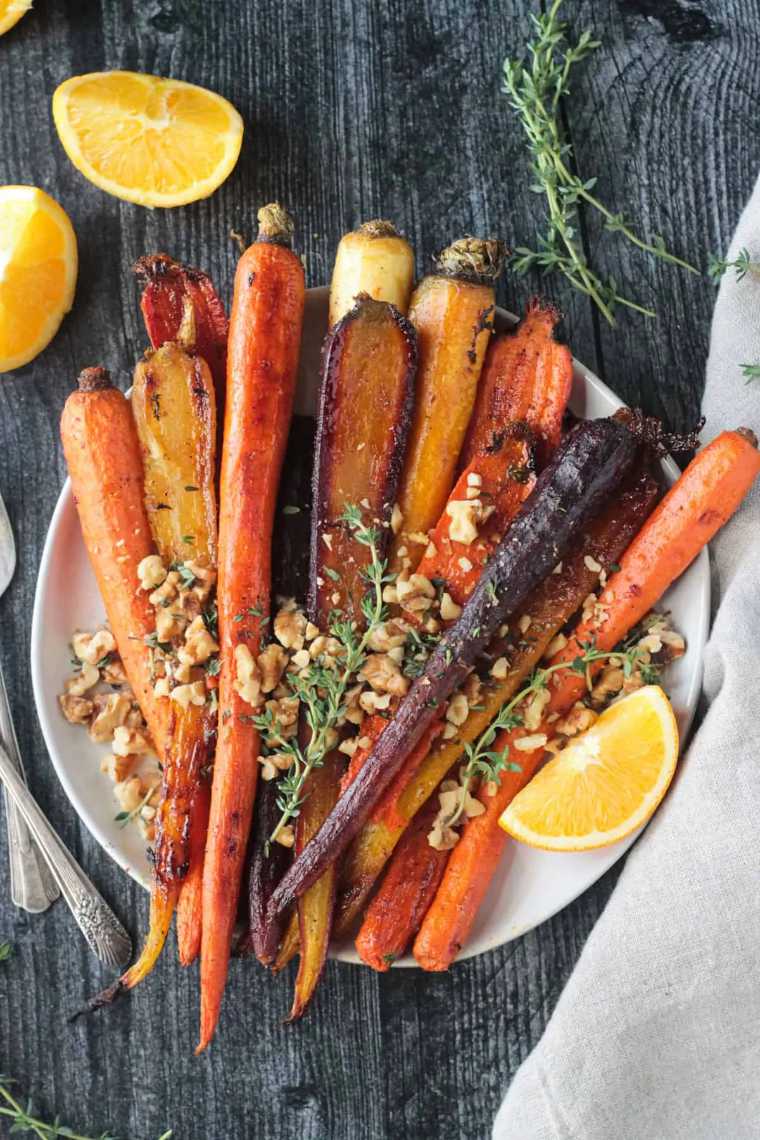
704, 498
407, 890
527, 376
265, 333
502, 480
165, 286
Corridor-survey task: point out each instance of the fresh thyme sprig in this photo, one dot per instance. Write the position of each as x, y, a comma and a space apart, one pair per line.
742, 264
125, 817
24, 1120
536, 87
321, 690
750, 372
485, 763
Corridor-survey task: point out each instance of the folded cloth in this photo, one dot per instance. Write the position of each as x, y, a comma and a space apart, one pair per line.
657, 1033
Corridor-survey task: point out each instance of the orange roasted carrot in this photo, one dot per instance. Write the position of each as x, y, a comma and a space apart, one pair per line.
710, 490
105, 466
189, 904
527, 376
407, 890
265, 334
452, 310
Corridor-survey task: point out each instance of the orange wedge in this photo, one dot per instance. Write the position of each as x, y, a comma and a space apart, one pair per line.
157, 142
11, 12
38, 272
605, 783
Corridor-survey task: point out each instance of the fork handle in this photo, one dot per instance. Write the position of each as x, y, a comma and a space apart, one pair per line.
33, 887
105, 935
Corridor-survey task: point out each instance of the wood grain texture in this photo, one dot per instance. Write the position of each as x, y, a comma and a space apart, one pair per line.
353, 109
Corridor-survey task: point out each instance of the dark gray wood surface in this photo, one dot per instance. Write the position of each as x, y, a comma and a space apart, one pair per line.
353, 109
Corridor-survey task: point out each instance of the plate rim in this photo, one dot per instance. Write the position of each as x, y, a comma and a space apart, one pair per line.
345, 952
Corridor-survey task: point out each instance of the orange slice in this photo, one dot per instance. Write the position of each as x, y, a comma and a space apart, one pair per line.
603, 784
38, 272
11, 12
157, 142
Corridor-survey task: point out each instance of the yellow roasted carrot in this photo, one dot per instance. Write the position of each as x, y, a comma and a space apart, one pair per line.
374, 260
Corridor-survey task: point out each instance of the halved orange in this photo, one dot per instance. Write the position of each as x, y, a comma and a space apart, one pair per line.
605, 783
38, 272
11, 12
157, 142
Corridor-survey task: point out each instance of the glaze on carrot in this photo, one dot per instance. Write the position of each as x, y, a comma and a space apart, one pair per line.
264, 342
452, 311
708, 493
527, 376
105, 467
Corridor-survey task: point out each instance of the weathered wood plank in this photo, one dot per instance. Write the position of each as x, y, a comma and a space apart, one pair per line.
390, 108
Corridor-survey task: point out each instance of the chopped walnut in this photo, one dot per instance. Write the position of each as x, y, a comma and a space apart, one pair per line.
151, 572
384, 675
167, 591
169, 624
81, 682
272, 662
500, 668
247, 683
290, 628
118, 767
387, 635
286, 836
199, 644
534, 710
529, 743
373, 702
114, 673
576, 721
77, 710
450, 611
458, 709
130, 742
415, 592
193, 693
93, 647
113, 711
129, 793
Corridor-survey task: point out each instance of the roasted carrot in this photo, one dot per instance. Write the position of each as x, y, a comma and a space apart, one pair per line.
587, 467
375, 261
266, 867
550, 606
494, 485
527, 375
105, 466
265, 333
190, 902
407, 890
710, 490
452, 311
166, 286
370, 359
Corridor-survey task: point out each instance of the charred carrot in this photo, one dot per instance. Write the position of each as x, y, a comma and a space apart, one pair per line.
527, 376
265, 333
166, 286
587, 467
105, 466
365, 405
376, 261
407, 890
704, 498
549, 608
265, 869
173, 404
452, 311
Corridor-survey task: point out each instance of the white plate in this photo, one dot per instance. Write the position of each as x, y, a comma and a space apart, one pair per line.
531, 886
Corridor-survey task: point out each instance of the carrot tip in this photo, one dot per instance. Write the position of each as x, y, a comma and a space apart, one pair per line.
748, 434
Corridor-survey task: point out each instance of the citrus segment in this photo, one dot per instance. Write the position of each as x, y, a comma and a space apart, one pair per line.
603, 784
38, 271
11, 12
157, 142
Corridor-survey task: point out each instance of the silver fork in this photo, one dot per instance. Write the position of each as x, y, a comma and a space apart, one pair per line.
32, 886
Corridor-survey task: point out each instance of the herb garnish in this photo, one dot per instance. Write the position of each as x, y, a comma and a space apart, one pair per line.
24, 1121
6, 951
482, 761
125, 817
742, 263
321, 689
536, 87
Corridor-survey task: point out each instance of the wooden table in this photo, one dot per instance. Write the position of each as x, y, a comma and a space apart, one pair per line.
353, 110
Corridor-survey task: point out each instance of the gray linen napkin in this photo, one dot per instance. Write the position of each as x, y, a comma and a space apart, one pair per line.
657, 1033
